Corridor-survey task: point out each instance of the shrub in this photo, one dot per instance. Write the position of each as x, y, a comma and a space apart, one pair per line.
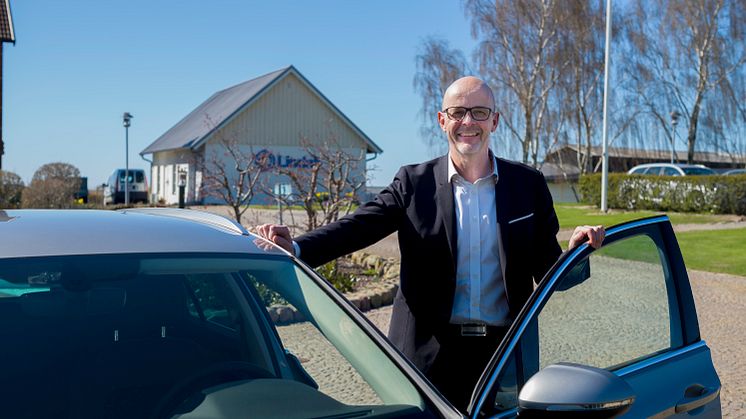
715, 194
343, 282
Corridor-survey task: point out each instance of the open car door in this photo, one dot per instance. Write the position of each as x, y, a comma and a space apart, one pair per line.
608, 332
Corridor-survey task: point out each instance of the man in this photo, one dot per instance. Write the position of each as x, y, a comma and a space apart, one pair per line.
475, 232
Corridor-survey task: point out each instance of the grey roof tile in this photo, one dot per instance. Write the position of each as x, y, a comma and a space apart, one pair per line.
194, 128
211, 113
6, 22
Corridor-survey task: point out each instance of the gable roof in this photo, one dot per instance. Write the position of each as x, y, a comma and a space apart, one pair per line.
631, 153
6, 23
192, 131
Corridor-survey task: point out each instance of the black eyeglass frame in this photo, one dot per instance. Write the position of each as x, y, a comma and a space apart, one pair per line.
469, 111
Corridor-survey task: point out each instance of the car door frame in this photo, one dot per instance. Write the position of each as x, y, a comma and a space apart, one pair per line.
690, 335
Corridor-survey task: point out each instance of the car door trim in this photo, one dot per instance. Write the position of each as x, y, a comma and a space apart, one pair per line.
542, 296
675, 353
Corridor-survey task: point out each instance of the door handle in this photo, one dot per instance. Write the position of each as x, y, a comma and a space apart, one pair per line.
696, 396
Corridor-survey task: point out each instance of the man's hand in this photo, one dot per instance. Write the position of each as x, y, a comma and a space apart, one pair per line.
277, 234
594, 235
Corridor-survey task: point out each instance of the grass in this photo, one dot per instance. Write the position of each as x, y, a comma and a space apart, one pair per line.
572, 215
714, 250
722, 251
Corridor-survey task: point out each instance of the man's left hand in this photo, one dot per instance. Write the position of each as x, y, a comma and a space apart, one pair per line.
594, 235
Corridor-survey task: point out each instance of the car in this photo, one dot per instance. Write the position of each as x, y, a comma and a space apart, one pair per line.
205, 320
734, 172
671, 169
115, 186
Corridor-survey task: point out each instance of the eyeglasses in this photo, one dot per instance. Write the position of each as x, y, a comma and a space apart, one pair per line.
478, 113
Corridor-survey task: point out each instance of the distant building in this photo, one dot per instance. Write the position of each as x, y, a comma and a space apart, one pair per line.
6, 35
269, 114
560, 167
564, 160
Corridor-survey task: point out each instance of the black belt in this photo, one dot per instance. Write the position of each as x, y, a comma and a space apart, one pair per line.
476, 330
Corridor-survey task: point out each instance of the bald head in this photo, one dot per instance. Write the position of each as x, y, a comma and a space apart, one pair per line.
466, 86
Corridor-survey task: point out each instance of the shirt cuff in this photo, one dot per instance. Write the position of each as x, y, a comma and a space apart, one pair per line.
296, 249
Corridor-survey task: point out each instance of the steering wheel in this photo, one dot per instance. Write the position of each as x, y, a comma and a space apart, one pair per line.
213, 375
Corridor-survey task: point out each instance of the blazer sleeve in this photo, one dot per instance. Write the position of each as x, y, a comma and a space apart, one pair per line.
370, 223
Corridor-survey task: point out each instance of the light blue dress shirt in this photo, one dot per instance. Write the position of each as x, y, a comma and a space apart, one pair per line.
480, 290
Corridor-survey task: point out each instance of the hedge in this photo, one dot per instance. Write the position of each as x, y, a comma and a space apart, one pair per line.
713, 194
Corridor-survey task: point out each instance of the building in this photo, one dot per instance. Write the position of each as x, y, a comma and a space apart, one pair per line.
6, 35
564, 159
271, 115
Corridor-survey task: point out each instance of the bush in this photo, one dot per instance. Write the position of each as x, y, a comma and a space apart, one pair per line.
714, 194
343, 282
11, 190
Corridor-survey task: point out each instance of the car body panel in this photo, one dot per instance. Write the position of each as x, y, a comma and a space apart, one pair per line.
128, 231
661, 378
735, 172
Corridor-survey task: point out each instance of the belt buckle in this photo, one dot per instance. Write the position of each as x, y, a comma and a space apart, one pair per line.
473, 329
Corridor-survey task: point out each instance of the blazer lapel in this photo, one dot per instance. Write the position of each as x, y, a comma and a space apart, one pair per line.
444, 194
503, 203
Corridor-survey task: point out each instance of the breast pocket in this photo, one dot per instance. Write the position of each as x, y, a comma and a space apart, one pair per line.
521, 230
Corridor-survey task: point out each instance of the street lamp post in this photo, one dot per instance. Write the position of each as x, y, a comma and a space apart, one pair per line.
604, 148
127, 117
674, 121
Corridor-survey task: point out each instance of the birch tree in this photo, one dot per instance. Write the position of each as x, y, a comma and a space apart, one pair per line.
685, 56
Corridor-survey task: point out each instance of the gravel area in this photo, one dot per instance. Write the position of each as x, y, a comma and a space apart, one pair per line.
335, 376
721, 309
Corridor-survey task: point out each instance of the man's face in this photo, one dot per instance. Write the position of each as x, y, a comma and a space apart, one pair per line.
467, 137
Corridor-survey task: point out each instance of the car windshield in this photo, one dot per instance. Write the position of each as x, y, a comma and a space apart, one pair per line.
694, 171
196, 335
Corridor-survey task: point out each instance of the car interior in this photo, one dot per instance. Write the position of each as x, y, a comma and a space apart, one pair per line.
120, 337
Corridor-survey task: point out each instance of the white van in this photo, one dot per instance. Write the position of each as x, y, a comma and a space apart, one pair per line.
114, 188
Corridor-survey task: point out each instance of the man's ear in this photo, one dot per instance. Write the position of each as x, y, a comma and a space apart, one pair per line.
442, 120
496, 120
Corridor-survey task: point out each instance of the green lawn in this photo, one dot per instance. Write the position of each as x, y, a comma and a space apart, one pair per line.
572, 215
721, 251
715, 250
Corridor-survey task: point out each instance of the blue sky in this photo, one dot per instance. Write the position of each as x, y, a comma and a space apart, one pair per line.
78, 65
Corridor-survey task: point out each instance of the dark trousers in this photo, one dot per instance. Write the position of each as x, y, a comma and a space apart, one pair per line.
461, 361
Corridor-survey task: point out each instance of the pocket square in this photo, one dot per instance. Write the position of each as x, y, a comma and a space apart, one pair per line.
521, 218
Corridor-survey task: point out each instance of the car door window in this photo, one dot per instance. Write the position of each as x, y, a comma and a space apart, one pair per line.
670, 171
616, 307
618, 314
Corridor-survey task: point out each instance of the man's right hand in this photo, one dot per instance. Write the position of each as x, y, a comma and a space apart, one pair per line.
277, 234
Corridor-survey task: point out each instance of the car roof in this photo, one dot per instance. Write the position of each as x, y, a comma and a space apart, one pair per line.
682, 165
28, 233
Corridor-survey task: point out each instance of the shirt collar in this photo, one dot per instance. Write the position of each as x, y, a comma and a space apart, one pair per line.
453, 172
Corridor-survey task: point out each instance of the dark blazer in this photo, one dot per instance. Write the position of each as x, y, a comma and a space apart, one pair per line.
419, 205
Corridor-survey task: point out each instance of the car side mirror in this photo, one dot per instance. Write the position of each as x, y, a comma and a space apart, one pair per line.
573, 390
